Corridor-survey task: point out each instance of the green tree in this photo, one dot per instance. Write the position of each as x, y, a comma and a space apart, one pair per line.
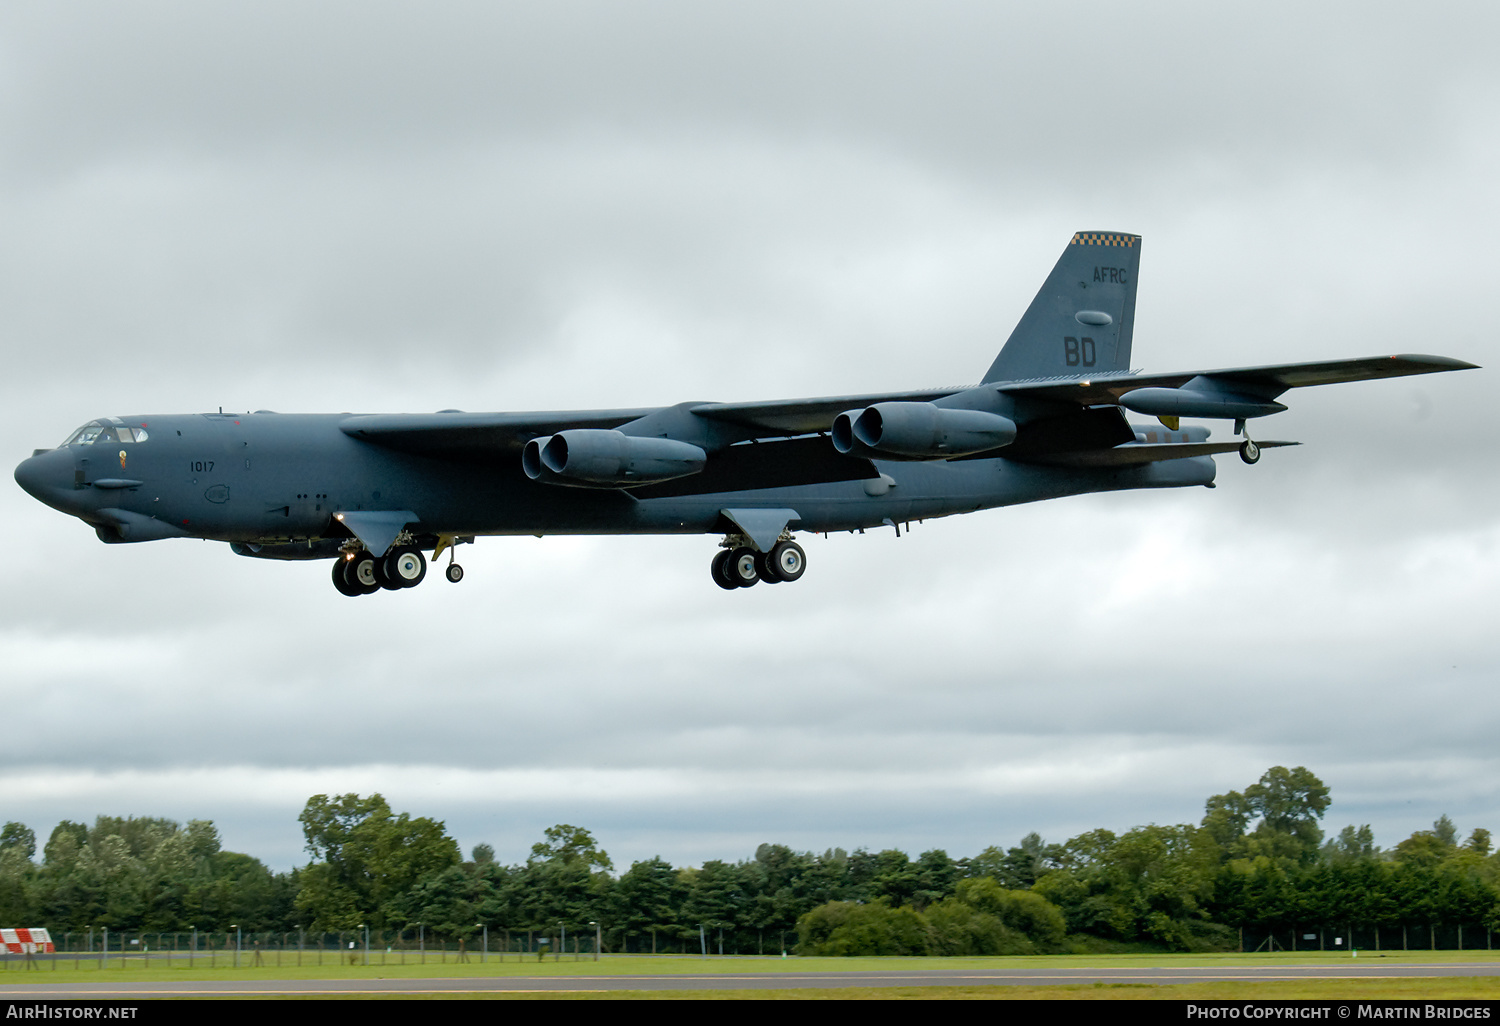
1024, 864
1351, 844
19, 839
570, 845
716, 899
364, 858
1290, 803
875, 928
645, 902
566, 880
1025, 912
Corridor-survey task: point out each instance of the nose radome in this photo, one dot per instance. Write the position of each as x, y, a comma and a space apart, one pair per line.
29, 476
47, 477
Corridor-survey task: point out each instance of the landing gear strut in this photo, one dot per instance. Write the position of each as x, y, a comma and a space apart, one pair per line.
1249, 451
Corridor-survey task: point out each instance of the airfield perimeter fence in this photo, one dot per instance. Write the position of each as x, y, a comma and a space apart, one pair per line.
1369, 939
218, 950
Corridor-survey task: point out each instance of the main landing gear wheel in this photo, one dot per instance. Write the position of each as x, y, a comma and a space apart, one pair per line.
787, 561
360, 573
720, 570
405, 567
343, 586
454, 573
741, 568
765, 568
1250, 452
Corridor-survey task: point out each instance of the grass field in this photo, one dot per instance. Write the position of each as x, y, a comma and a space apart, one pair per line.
64, 969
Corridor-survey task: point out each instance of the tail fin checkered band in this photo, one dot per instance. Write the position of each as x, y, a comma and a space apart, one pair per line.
1104, 239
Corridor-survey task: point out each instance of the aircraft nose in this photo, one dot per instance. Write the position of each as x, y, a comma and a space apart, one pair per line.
43, 478
29, 475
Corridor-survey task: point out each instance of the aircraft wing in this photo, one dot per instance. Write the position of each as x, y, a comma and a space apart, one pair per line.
806, 416
1269, 381
474, 435
479, 435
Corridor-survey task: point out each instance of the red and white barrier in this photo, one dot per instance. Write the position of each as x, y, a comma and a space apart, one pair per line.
25, 942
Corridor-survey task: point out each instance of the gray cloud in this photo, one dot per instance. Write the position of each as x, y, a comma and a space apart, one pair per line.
392, 207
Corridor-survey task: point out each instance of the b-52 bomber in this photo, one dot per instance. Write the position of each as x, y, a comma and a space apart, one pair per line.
373, 492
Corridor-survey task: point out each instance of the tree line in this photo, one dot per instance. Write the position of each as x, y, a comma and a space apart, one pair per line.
1257, 865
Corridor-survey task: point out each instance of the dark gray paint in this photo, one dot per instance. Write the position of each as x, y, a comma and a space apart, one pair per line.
289, 486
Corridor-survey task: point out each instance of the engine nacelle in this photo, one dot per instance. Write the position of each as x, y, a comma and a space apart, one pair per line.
919, 431
595, 458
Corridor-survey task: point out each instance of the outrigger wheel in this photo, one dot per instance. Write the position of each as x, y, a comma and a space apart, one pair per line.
1250, 452
454, 573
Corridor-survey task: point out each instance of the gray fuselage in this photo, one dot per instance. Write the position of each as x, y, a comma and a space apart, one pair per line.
267, 477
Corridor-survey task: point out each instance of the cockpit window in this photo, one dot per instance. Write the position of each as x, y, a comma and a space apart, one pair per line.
86, 435
104, 431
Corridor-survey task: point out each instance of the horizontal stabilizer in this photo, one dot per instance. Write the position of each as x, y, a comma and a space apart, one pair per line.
1136, 453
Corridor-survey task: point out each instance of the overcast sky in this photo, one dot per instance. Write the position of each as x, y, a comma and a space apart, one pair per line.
406, 207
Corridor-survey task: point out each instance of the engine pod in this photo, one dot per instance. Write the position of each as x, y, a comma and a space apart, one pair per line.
598, 458
919, 431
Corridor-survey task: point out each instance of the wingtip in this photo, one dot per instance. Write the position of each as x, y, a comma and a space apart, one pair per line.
1437, 363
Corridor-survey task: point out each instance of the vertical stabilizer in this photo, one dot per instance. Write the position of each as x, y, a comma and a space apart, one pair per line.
1082, 319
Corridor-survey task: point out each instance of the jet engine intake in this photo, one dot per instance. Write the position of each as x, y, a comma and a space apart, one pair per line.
919, 431
595, 458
